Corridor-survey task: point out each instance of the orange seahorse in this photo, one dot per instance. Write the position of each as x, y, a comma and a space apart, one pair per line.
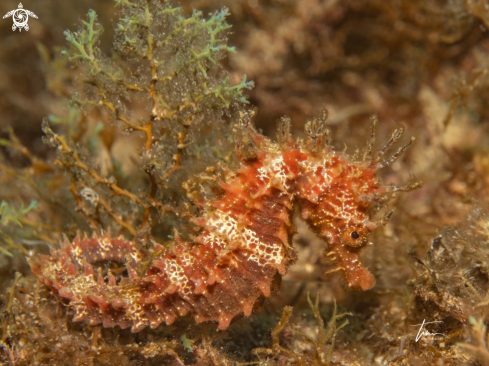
244, 245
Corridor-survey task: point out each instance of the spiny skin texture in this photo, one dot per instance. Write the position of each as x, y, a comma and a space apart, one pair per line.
244, 246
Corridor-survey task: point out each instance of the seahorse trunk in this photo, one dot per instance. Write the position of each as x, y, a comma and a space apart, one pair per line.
236, 261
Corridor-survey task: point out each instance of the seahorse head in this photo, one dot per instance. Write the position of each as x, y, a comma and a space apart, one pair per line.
340, 210
336, 192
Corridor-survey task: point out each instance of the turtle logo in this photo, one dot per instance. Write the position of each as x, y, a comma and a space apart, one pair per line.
20, 17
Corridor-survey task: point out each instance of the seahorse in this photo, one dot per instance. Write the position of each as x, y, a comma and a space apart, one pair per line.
244, 246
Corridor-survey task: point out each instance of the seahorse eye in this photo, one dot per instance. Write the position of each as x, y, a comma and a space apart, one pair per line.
354, 236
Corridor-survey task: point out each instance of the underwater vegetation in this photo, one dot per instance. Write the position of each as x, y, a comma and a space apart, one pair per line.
151, 215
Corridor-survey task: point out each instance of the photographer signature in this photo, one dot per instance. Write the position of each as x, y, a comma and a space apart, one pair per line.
422, 332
